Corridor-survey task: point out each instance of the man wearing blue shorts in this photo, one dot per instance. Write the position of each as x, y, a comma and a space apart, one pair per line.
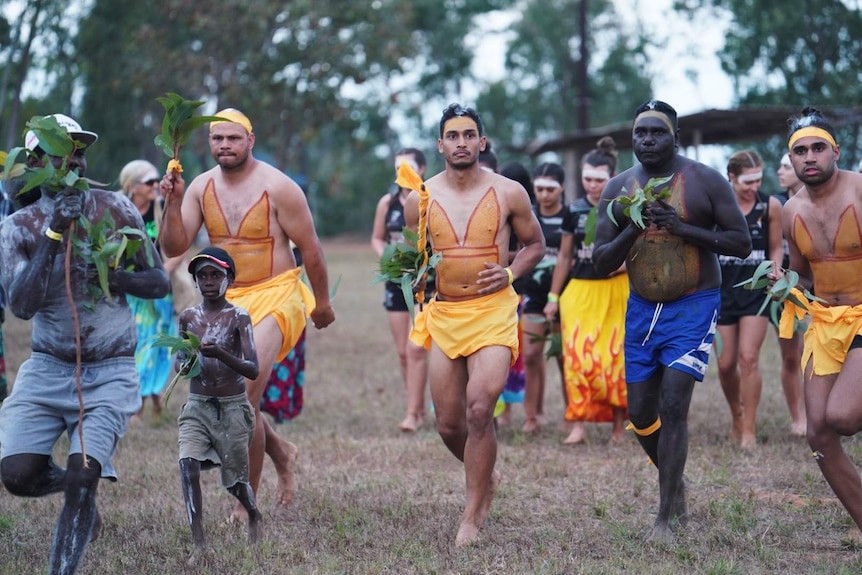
675, 285
44, 402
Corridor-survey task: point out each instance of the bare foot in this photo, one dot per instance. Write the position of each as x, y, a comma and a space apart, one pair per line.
577, 435
136, 419
799, 428
467, 535
96, 531
661, 534
238, 517
410, 423
748, 441
530, 426
286, 480
505, 418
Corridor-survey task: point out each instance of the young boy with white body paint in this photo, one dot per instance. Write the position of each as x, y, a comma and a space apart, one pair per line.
217, 422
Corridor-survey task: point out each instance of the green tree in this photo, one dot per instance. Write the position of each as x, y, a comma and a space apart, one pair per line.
540, 94
791, 52
320, 79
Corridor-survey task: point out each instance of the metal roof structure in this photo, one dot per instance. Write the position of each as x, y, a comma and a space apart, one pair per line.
745, 124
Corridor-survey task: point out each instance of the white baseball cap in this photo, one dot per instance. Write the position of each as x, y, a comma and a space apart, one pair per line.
31, 141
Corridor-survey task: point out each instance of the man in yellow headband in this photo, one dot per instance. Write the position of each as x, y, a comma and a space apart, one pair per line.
675, 294
253, 211
471, 327
822, 225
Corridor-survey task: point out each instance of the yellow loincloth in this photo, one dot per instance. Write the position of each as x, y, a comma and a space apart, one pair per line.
460, 328
829, 335
285, 298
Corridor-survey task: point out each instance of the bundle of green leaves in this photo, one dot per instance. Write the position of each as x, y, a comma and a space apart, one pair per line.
402, 263
187, 348
178, 125
55, 141
101, 245
780, 290
636, 201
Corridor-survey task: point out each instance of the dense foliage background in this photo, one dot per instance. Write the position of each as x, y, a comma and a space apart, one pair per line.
333, 88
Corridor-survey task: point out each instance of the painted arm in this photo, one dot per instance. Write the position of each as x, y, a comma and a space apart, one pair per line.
246, 365
613, 241
296, 222
526, 228
729, 235
182, 215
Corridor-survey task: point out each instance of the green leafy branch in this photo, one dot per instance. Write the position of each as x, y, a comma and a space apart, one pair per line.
55, 140
779, 290
639, 199
187, 347
178, 125
106, 248
401, 263
554, 339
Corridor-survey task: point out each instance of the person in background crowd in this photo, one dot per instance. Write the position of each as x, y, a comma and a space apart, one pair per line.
791, 348
741, 324
592, 309
534, 286
387, 229
139, 181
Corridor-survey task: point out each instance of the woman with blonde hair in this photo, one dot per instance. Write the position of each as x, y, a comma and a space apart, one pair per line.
139, 181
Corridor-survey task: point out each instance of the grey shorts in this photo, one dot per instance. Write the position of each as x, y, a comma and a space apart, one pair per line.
218, 431
44, 404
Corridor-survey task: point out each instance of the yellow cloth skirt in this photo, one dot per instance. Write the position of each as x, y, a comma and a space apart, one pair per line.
829, 335
460, 328
592, 324
285, 298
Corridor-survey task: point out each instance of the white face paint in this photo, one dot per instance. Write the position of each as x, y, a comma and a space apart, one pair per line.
750, 178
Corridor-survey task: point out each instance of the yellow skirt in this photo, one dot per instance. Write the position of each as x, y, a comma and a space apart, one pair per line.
285, 298
592, 323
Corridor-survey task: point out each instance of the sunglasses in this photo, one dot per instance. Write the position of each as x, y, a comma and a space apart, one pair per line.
151, 182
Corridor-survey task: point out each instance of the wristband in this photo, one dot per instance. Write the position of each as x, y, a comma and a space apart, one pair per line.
56, 236
511, 275
553, 298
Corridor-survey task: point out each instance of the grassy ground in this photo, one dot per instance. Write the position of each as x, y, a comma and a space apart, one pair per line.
373, 500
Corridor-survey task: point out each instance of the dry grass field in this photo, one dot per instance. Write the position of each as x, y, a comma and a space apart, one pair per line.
373, 500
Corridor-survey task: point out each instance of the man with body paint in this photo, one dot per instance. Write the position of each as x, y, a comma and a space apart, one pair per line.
742, 325
675, 282
253, 211
44, 402
824, 231
471, 326
217, 422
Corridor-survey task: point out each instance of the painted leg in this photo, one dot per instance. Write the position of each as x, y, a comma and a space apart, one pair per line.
77, 517
243, 492
190, 480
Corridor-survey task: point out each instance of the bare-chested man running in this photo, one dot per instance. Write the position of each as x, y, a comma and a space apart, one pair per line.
252, 210
471, 327
44, 403
823, 226
675, 291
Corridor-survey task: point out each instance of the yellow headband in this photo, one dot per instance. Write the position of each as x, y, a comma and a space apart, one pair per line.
653, 114
810, 131
235, 116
